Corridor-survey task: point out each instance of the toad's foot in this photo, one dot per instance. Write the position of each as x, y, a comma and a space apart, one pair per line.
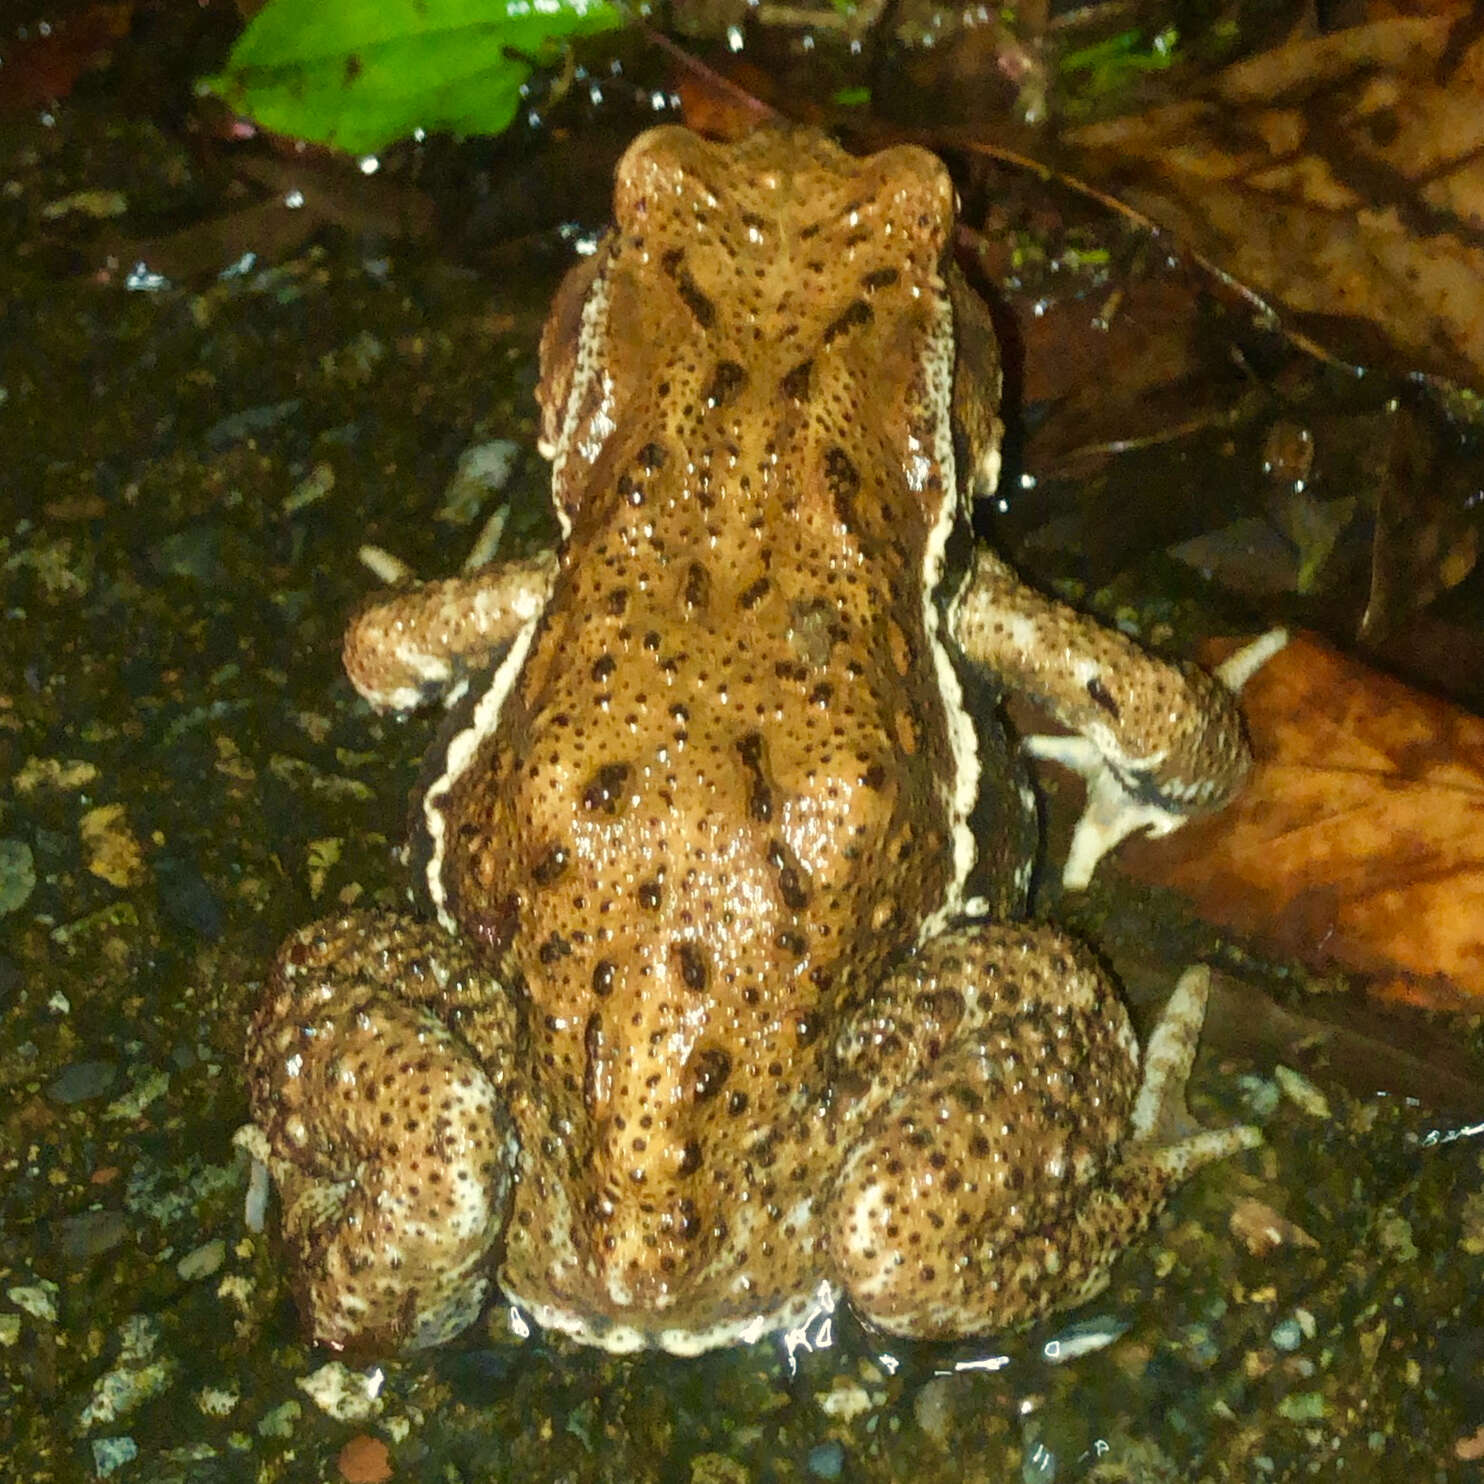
1158, 792
1156, 742
385, 1133
1160, 1122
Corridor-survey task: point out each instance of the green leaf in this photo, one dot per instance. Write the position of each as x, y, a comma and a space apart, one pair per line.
1111, 63
360, 73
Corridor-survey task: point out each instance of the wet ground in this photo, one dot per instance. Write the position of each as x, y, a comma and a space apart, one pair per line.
189, 468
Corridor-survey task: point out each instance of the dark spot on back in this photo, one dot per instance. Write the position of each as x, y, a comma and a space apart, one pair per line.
496, 929
843, 480
703, 310
858, 313
553, 948
697, 586
551, 865
726, 381
694, 972
760, 795
711, 1067
686, 1223
592, 1046
604, 791
793, 879
795, 383
754, 593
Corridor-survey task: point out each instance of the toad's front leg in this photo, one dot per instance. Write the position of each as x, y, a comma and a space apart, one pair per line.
377, 1066
1156, 742
417, 642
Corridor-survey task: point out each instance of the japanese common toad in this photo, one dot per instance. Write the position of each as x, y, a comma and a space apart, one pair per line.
722, 1008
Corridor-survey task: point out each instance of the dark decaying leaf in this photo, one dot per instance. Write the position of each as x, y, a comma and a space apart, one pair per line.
1342, 177
45, 66
1427, 538
1363, 1046
325, 190
1170, 414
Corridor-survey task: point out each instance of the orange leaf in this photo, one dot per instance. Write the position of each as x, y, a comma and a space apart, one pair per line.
1359, 841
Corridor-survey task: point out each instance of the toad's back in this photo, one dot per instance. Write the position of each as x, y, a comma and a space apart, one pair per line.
729, 779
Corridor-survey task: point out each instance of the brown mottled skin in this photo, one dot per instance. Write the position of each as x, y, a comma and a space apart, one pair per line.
713, 1013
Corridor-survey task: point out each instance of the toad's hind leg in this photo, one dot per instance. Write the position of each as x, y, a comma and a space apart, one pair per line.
375, 1066
1157, 742
1003, 1148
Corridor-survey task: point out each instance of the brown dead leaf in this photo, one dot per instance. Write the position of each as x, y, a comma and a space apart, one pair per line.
1359, 841
1347, 1042
1130, 378
1343, 177
726, 106
1426, 538
1310, 484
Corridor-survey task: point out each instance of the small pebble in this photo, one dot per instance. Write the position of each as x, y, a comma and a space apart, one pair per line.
1301, 1092
342, 1393
83, 1081
203, 1261
1260, 1094
279, 1421
1287, 1335
365, 1460
934, 1410
89, 1234
1038, 1464
39, 1300
111, 1454
826, 1460
17, 875
1084, 1337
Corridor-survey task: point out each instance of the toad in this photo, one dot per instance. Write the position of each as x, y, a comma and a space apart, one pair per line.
721, 1006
